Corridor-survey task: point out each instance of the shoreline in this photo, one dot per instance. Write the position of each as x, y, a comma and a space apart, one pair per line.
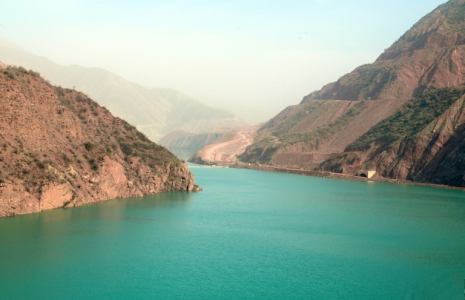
327, 174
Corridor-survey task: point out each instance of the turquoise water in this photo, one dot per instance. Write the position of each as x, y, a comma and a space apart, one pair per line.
248, 235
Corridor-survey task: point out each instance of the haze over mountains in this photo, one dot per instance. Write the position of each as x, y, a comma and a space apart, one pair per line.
402, 116
156, 112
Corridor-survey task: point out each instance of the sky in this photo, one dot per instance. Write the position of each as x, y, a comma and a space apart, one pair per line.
253, 58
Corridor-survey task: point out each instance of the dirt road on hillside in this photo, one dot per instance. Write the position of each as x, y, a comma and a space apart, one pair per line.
225, 152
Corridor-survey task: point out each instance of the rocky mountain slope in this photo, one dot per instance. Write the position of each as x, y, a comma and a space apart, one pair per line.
306, 134
155, 112
423, 142
59, 148
400, 117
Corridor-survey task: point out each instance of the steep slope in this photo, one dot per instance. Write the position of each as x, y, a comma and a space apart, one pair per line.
378, 116
59, 148
306, 134
423, 142
430, 55
156, 112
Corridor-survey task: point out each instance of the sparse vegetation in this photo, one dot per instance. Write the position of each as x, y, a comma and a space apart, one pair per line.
410, 119
65, 152
89, 146
263, 150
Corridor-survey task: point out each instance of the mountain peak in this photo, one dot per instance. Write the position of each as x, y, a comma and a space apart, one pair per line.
427, 56
443, 27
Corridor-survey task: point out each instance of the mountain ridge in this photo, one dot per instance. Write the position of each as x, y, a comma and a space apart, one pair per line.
399, 118
158, 111
418, 61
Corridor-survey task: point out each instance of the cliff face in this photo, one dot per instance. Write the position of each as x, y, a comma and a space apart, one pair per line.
58, 148
430, 55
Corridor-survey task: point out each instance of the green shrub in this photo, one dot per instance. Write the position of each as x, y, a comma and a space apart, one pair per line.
410, 119
89, 146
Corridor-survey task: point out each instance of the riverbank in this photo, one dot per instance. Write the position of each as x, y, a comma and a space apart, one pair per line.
326, 174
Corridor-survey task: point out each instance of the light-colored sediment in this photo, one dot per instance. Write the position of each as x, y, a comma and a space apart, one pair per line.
225, 152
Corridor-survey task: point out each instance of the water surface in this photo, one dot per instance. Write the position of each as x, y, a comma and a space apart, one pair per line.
248, 235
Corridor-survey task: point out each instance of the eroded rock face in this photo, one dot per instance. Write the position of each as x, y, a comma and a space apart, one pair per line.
436, 154
58, 148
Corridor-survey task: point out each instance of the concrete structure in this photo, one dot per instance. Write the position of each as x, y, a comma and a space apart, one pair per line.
366, 173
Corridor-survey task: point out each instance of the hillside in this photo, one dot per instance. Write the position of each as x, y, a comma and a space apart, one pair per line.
400, 117
155, 112
306, 134
59, 148
423, 142
225, 151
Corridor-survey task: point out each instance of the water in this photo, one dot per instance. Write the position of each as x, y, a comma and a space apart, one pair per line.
248, 235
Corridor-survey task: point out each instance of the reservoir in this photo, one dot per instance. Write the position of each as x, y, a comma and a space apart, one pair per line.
247, 235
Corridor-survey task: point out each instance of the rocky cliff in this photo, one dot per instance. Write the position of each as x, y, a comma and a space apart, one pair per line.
423, 142
59, 148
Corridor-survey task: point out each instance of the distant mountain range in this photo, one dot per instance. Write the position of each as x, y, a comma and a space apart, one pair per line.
402, 116
156, 112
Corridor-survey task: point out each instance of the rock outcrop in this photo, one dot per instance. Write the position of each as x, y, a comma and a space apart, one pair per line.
59, 148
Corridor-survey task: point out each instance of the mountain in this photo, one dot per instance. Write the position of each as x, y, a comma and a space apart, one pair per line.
430, 55
423, 142
59, 148
400, 117
155, 112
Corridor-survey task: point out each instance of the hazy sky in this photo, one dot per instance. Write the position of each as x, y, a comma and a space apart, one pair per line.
252, 57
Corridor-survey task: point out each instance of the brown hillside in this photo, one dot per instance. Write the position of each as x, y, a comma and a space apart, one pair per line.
58, 148
424, 142
305, 134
